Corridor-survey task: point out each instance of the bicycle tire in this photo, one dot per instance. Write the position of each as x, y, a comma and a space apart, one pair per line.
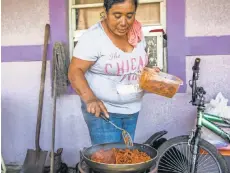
204, 144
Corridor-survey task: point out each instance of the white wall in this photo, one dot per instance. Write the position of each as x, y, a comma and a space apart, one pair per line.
207, 17
214, 74
23, 21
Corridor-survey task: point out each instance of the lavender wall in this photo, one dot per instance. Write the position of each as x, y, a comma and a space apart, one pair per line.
19, 107
19, 100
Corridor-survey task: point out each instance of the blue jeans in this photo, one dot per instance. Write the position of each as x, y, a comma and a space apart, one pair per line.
103, 132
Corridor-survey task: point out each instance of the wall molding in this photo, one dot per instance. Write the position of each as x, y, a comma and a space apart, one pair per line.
22, 53
208, 45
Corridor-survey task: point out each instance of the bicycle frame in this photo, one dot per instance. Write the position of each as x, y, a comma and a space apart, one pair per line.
208, 120
191, 158
203, 119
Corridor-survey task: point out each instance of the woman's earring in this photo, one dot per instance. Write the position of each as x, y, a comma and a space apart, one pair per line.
102, 15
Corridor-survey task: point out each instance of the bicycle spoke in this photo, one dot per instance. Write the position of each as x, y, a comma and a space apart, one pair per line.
173, 160
207, 164
188, 150
172, 171
170, 164
177, 162
182, 156
169, 167
178, 159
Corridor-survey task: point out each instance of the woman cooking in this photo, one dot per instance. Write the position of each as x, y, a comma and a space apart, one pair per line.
104, 68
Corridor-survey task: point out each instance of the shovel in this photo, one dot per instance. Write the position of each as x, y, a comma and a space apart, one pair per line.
35, 159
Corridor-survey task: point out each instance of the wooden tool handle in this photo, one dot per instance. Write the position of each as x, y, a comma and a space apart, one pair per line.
52, 169
42, 86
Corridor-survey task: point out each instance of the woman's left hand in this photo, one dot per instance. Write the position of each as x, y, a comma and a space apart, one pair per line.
153, 69
157, 69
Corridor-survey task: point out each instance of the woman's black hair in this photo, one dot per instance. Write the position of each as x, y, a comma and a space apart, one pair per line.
109, 3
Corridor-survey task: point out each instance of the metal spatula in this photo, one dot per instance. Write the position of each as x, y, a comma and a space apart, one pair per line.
126, 136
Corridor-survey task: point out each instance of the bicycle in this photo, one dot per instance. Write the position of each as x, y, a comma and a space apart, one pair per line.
190, 153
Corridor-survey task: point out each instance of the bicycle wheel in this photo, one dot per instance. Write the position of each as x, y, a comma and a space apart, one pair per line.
175, 156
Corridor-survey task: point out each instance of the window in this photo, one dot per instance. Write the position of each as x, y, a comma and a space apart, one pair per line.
85, 13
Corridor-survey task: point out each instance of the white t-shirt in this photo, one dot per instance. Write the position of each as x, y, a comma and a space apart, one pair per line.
113, 69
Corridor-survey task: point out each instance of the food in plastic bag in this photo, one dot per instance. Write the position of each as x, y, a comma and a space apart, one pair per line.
159, 83
218, 106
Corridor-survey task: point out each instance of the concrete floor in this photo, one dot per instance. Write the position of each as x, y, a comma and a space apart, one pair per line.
228, 161
16, 169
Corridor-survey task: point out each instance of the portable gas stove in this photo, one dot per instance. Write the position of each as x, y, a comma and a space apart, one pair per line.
82, 167
154, 141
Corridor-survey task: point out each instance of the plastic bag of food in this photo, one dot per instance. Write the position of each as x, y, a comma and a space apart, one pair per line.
159, 83
219, 107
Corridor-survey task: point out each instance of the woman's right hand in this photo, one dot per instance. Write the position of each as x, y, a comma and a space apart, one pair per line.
96, 107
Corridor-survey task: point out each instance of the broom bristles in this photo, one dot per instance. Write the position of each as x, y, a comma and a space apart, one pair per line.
60, 65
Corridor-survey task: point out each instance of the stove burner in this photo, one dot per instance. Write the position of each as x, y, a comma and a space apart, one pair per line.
84, 168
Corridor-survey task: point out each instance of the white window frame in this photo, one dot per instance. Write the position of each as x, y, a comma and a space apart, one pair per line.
74, 34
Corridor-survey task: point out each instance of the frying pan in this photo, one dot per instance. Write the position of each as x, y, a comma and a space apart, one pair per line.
120, 168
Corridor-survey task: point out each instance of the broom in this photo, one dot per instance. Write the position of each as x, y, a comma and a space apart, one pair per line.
60, 64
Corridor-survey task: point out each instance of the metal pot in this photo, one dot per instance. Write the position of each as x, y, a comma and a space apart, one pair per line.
120, 168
